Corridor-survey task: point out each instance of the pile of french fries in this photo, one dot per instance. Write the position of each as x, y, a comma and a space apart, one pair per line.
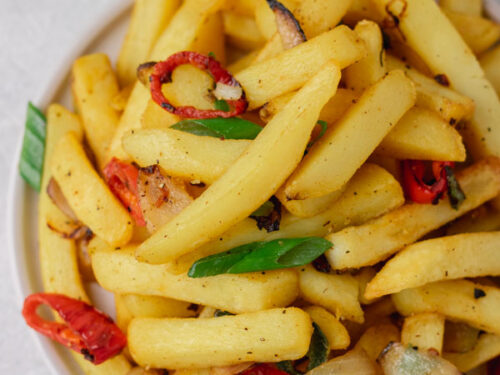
420, 274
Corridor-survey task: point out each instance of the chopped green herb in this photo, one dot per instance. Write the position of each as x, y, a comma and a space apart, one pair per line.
227, 128
222, 105
261, 256
317, 353
324, 127
455, 192
219, 313
33, 150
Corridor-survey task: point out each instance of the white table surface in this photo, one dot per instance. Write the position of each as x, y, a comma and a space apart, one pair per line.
34, 34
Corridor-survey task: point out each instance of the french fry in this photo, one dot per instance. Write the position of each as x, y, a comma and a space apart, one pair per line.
391, 165
458, 300
317, 17
243, 62
335, 332
448, 54
489, 62
372, 242
242, 31
336, 293
265, 336
423, 135
361, 10
376, 338
210, 38
459, 337
234, 293
451, 106
272, 48
294, 67
371, 68
479, 33
87, 194
444, 258
154, 117
157, 307
470, 7
207, 312
94, 87
346, 146
176, 37
424, 331
148, 20
58, 257
182, 154
482, 219
314, 17
123, 315
119, 102
244, 7
364, 276
331, 112
271, 157
265, 18
487, 347
309, 207
371, 192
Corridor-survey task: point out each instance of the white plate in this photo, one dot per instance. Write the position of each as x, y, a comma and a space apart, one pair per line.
104, 35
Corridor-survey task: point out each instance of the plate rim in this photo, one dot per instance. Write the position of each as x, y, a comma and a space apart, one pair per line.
17, 189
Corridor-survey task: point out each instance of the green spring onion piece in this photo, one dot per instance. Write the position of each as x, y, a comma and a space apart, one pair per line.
227, 128
32, 153
262, 256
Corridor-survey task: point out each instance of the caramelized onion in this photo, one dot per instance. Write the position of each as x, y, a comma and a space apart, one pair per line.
160, 197
56, 195
288, 27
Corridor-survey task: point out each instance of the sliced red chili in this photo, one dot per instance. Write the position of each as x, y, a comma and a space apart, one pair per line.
415, 186
162, 73
494, 367
86, 330
122, 180
263, 369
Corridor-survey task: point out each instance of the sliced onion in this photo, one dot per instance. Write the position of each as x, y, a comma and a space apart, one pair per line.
56, 195
161, 198
355, 362
397, 359
227, 92
288, 27
144, 71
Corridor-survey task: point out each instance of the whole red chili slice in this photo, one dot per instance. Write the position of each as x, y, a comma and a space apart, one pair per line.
263, 369
122, 180
162, 73
86, 330
417, 189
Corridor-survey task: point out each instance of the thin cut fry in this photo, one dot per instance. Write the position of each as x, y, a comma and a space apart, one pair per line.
444, 258
335, 332
368, 244
458, 300
234, 293
424, 331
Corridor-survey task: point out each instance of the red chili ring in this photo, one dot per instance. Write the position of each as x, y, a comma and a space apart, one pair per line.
415, 186
86, 330
162, 73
